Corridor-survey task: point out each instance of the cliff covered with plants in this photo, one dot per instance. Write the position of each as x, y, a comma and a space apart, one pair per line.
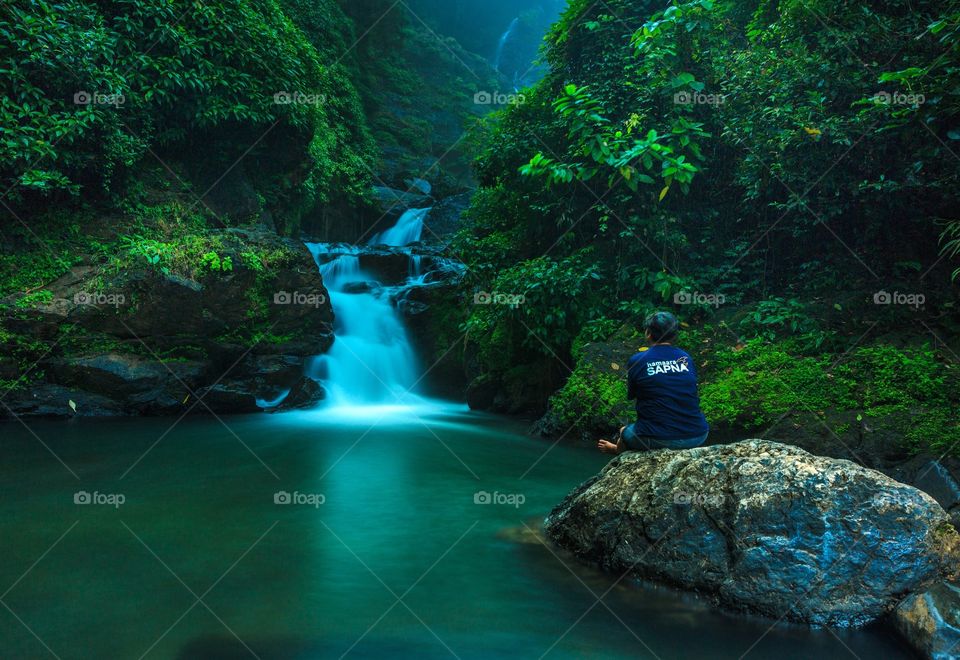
163, 157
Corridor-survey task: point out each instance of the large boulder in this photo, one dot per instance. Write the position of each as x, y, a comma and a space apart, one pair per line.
762, 527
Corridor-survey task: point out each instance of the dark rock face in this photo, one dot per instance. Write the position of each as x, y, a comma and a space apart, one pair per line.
763, 527
521, 390
138, 384
936, 477
305, 394
230, 398
880, 449
444, 219
362, 287
931, 621
46, 400
120, 374
427, 304
394, 200
388, 265
156, 343
481, 393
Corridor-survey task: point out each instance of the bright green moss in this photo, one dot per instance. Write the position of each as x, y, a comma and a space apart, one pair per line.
591, 398
907, 390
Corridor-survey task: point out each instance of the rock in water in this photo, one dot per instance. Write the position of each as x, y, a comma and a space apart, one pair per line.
762, 527
931, 621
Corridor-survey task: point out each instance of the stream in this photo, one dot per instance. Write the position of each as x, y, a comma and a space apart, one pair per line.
379, 523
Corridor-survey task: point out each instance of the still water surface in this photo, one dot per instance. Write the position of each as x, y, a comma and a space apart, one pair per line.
398, 561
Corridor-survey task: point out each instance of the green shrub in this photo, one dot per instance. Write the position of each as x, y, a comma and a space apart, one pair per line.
784, 317
591, 399
537, 306
35, 298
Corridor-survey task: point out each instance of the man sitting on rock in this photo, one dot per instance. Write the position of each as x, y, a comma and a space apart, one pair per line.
663, 381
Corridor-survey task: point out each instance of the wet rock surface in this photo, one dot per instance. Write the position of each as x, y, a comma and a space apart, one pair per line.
761, 527
931, 621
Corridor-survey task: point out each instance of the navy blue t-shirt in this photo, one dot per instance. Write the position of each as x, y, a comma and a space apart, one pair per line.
663, 380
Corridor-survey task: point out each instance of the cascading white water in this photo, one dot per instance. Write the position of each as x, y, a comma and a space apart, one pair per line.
371, 361
504, 38
409, 229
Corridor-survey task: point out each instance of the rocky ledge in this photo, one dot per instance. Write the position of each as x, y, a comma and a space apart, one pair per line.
230, 337
762, 527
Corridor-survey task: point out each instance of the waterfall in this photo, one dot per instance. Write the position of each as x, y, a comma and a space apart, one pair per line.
504, 38
371, 361
408, 229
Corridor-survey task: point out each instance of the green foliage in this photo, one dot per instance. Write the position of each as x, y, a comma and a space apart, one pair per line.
594, 330
616, 152
35, 298
19, 353
256, 335
782, 317
931, 429
884, 376
90, 90
802, 187
915, 392
950, 238
173, 240
211, 261
634, 150
414, 87
663, 285
537, 306
27, 270
153, 252
46, 249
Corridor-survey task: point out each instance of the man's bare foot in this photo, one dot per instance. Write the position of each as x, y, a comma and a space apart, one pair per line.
607, 447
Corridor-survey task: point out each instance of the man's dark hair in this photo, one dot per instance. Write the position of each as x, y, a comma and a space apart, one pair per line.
662, 326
